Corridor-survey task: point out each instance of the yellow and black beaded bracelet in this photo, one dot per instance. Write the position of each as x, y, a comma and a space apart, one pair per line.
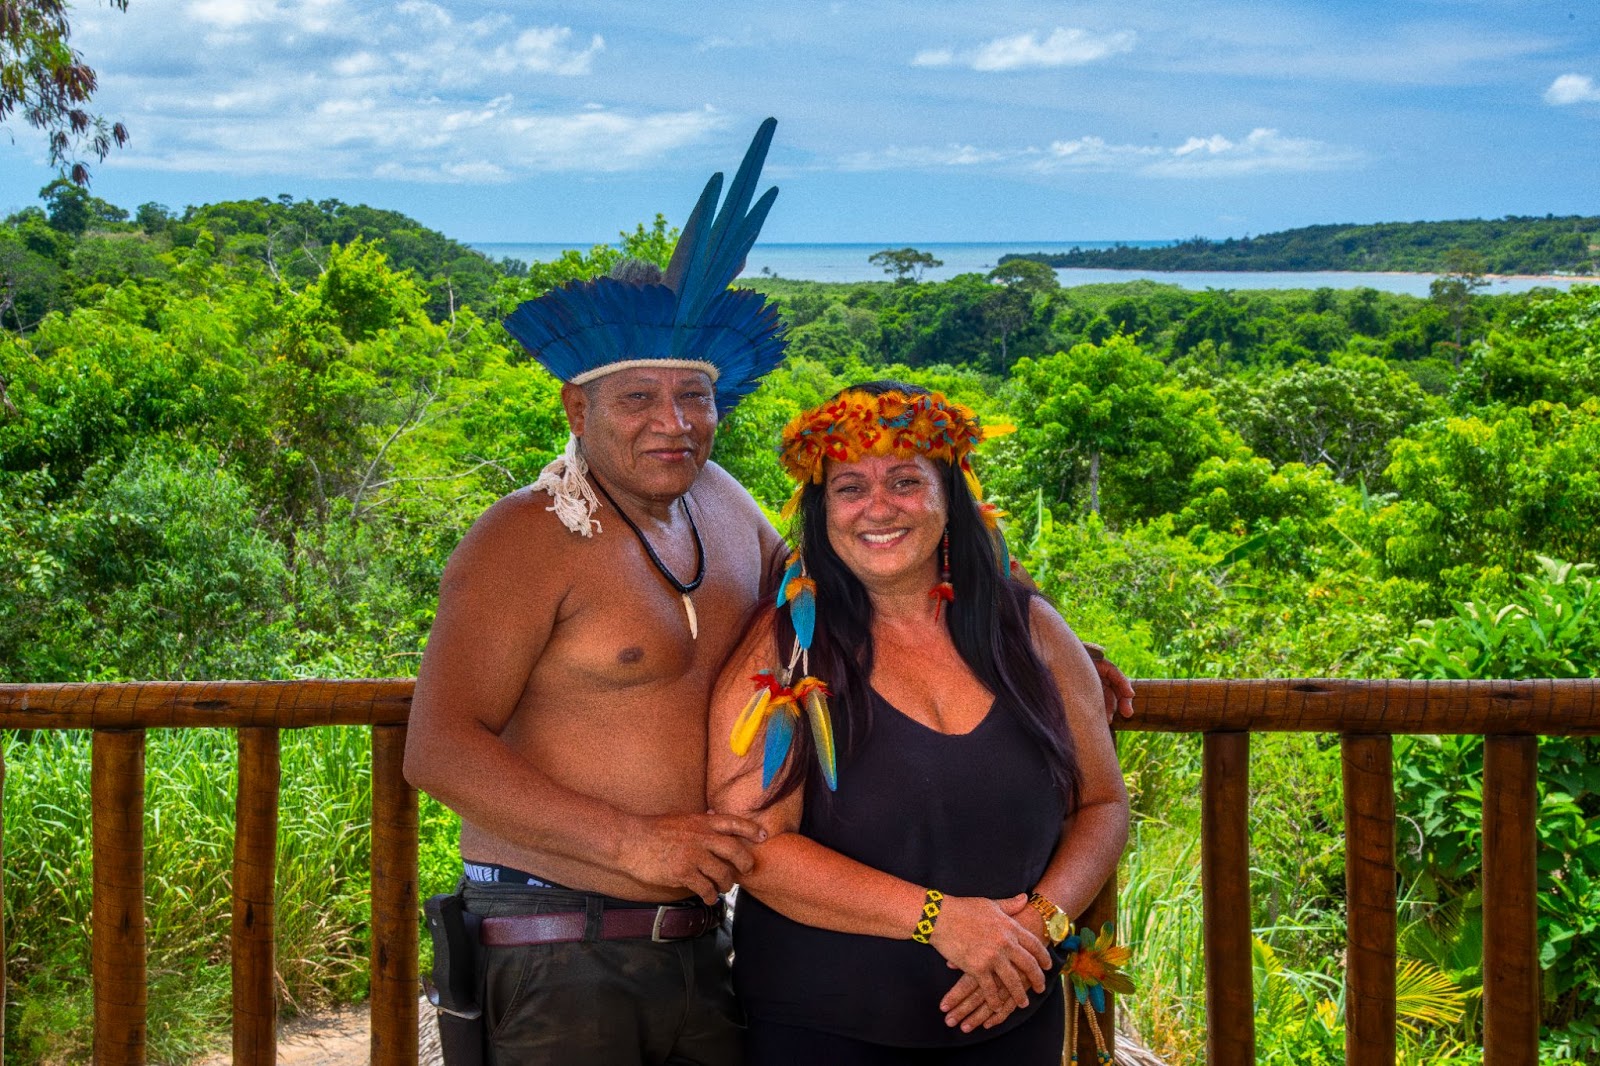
930, 916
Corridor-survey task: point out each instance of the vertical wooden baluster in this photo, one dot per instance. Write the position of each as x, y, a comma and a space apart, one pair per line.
1510, 937
1369, 1034
117, 954
1102, 910
1225, 888
255, 856
2, 903
395, 913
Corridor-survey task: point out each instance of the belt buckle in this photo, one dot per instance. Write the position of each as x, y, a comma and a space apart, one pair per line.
655, 929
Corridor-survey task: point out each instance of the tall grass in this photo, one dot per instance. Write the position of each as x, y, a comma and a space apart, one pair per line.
191, 776
1297, 882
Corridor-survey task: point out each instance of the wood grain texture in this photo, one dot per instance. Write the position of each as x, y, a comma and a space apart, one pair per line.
1369, 826
1510, 936
117, 946
1548, 708
1567, 707
395, 908
1102, 909
255, 856
234, 704
1225, 888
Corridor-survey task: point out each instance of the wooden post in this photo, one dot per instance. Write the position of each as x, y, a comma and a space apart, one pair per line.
1103, 909
1225, 890
1369, 1033
255, 857
116, 953
395, 910
2, 904
1510, 937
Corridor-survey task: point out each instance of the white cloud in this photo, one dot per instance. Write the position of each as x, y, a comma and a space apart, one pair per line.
936, 57
1260, 151
412, 91
1572, 89
1062, 48
914, 158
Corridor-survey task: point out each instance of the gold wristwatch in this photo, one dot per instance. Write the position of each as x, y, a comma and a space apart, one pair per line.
1057, 926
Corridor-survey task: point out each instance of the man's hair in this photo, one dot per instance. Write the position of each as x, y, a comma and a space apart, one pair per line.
988, 620
634, 271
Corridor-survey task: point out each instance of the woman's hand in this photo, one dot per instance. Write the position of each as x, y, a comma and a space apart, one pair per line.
983, 938
964, 1005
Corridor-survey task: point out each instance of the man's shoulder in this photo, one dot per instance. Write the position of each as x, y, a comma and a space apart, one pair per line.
716, 487
517, 528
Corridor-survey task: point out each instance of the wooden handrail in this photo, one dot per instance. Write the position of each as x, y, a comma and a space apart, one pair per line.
1510, 714
1568, 707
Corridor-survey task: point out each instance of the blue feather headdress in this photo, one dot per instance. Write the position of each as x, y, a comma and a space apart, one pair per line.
691, 319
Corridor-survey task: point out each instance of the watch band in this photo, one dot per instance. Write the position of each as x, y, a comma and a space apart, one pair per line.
1057, 925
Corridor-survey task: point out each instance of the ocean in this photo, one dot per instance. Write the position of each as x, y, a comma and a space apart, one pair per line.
848, 262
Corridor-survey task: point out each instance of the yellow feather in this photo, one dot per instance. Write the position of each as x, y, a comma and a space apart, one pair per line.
822, 732
748, 724
793, 506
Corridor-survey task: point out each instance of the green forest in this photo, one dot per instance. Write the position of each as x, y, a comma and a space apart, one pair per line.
1568, 244
240, 441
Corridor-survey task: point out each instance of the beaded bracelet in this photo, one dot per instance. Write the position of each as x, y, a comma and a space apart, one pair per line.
930, 915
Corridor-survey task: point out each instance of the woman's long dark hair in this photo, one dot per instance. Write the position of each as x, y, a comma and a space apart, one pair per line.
988, 623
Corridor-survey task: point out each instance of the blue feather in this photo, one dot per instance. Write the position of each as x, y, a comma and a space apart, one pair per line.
788, 575
1097, 997
780, 734
587, 325
803, 613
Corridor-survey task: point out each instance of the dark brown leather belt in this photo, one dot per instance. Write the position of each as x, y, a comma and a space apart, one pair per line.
678, 922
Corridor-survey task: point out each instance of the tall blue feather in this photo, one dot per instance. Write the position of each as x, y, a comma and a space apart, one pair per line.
587, 325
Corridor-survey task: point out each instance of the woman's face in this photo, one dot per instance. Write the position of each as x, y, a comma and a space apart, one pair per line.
886, 516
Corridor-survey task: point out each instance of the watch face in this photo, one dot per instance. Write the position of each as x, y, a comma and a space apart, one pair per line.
1058, 925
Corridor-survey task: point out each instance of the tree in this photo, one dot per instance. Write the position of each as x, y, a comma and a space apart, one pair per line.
72, 210
1010, 308
1100, 402
41, 75
905, 265
1454, 289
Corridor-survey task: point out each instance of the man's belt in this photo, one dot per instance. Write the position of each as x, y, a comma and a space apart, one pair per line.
677, 922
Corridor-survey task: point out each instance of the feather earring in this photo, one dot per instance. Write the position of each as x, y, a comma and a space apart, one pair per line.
776, 707
943, 592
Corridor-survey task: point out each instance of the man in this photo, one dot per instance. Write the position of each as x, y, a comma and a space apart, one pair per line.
561, 705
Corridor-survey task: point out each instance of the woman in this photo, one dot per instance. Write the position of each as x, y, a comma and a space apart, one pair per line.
975, 792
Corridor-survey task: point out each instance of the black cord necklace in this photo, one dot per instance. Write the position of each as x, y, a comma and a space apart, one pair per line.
661, 567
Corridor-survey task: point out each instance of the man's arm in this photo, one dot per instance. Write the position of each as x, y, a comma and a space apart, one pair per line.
498, 604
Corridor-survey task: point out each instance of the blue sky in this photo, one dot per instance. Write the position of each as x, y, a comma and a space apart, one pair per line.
898, 121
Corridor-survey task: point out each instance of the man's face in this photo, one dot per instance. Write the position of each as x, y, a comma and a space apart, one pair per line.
645, 431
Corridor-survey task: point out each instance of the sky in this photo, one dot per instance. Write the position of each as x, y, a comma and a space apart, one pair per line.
898, 121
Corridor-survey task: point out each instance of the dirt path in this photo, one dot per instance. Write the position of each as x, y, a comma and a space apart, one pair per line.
338, 1038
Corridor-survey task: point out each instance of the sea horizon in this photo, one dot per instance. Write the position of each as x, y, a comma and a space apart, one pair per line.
846, 262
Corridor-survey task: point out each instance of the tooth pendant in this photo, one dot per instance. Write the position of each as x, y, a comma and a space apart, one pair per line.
694, 621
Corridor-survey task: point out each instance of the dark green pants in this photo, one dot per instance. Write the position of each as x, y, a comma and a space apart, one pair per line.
603, 1002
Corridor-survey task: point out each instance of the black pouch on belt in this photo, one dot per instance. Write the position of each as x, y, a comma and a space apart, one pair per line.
455, 979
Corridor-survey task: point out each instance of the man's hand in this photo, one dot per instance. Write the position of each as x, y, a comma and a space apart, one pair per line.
1115, 688
703, 853
983, 938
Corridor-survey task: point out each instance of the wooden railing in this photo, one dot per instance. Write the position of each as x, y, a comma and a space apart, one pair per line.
1510, 715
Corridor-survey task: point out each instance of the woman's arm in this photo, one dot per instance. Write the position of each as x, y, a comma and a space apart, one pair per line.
1092, 838
817, 886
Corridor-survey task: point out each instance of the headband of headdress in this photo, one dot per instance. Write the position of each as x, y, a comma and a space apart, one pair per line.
691, 319
851, 426
856, 424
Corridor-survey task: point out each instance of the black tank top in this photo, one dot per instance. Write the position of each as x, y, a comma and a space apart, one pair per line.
973, 814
